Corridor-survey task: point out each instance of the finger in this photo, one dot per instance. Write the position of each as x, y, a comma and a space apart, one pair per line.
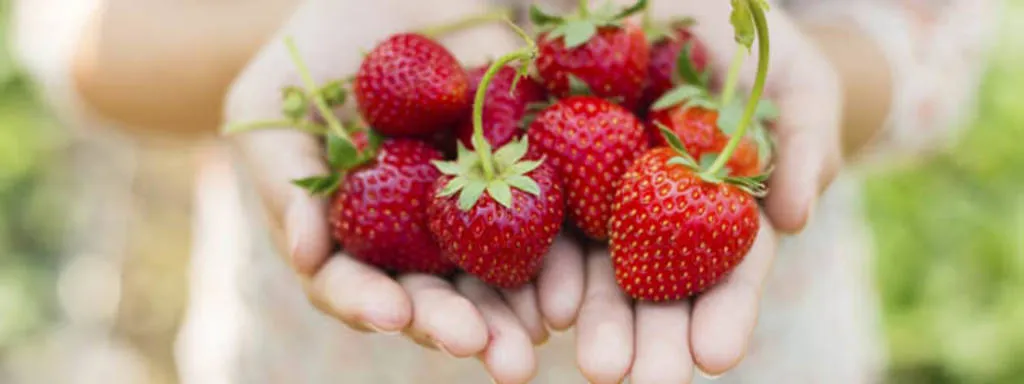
809, 152
509, 355
724, 317
604, 330
360, 295
273, 159
560, 284
662, 344
443, 317
523, 302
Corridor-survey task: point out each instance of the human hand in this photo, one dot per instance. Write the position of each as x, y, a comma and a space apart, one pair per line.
464, 318
664, 342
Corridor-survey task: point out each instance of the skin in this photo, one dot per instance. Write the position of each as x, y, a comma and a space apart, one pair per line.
651, 343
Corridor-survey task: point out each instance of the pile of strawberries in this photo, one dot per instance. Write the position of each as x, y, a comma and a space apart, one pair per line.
606, 127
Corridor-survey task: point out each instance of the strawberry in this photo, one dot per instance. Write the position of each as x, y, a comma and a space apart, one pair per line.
675, 46
594, 49
591, 141
698, 130
679, 227
411, 85
673, 234
502, 237
378, 212
504, 108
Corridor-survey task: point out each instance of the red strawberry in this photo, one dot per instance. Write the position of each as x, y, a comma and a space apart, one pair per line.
379, 212
411, 85
497, 228
591, 142
608, 55
674, 234
665, 54
698, 129
504, 108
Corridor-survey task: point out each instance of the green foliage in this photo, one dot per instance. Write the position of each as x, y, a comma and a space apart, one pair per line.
950, 236
30, 209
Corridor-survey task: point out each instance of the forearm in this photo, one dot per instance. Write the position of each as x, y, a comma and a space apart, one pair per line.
866, 79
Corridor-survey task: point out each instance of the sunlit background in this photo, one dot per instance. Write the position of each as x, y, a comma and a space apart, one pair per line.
950, 235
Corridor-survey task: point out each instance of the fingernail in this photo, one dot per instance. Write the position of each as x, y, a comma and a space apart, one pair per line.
440, 347
377, 329
708, 375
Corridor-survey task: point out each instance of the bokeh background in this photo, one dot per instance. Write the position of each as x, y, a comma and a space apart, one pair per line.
950, 235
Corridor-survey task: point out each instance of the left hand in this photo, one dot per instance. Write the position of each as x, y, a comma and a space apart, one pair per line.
654, 343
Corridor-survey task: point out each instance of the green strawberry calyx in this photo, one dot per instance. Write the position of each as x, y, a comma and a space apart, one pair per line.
734, 117
658, 31
578, 28
753, 185
342, 153
484, 170
693, 91
470, 180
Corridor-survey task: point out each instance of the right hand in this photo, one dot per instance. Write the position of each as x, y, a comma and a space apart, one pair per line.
464, 319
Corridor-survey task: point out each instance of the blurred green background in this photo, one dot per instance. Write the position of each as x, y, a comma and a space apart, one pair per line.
950, 232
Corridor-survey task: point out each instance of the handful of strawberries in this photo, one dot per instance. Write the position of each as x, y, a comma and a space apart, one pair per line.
604, 125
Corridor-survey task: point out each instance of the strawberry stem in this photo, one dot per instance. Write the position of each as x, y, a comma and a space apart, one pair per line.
273, 124
584, 8
482, 147
733, 77
468, 22
761, 25
311, 89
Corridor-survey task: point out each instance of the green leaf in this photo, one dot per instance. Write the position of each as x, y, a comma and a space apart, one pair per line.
763, 139
729, 118
524, 184
677, 96
512, 152
523, 167
684, 161
578, 32
540, 18
341, 154
685, 68
578, 87
672, 138
334, 93
320, 185
481, 144
701, 102
465, 157
743, 23
766, 110
707, 160
753, 185
295, 104
471, 193
449, 167
500, 192
454, 185
640, 5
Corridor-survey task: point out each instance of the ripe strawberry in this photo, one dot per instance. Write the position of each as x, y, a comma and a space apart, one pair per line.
504, 108
665, 54
411, 85
497, 229
591, 142
606, 54
674, 234
698, 129
379, 212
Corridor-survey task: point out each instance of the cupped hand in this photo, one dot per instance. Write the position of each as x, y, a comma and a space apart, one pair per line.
463, 317
666, 342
